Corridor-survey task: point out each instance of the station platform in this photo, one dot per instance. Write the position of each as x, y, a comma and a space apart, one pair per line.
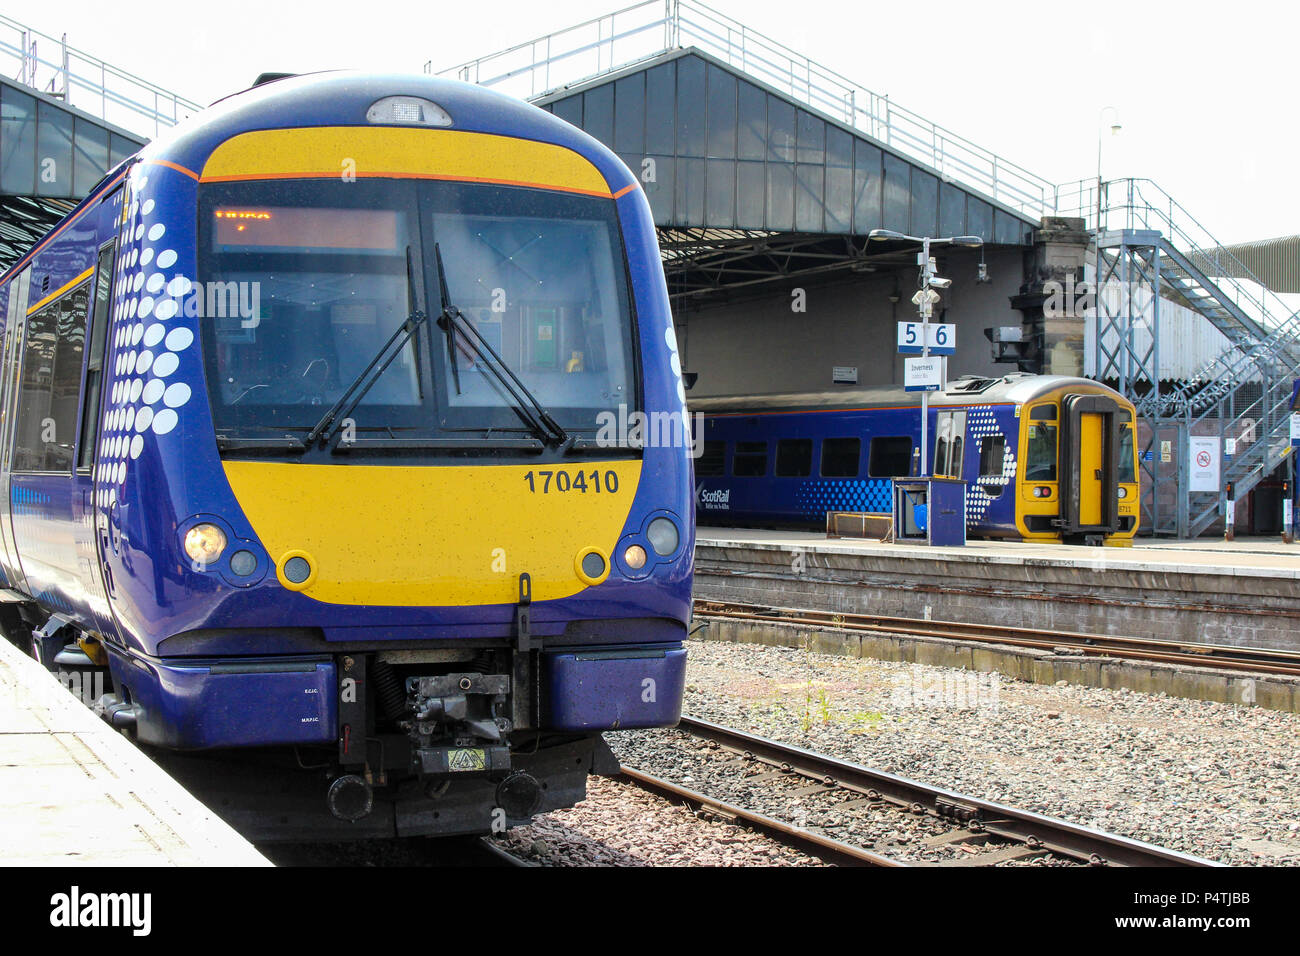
1244, 593
75, 792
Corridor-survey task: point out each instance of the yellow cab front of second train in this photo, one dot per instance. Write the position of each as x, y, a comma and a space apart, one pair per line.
1078, 480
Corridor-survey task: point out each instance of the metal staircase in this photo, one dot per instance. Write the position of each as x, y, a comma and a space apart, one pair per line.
1151, 245
1199, 291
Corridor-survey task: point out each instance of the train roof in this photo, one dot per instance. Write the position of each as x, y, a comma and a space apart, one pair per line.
342, 98
1014, 389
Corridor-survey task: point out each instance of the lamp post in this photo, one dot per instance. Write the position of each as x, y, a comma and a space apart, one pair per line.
1115, 128
925, 298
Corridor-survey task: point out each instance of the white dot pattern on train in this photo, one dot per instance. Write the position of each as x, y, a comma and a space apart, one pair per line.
147, 346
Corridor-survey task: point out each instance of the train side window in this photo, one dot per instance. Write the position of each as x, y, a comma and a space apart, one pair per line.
34, 397
840, 457
65, 385
958, 451
1043, 413
51, 385
712, 461
749, 459
890, 456
1040, 453
992, 453
95, 358
794, 458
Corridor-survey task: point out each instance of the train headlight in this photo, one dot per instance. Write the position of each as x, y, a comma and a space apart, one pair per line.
407, 111
1123, 492
634, 557
204, 543
663, 536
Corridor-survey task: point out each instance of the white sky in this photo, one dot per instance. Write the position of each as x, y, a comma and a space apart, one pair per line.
1204, 91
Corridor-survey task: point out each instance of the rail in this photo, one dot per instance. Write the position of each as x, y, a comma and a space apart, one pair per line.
1217, 656
980, 823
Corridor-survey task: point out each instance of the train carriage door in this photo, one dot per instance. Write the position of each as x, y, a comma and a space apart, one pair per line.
10, 368
1090, 464
90, 559
1091, 482
949, 444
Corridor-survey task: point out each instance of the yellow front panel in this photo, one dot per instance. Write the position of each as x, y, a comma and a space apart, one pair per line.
383, 151
441, 536
1091, 480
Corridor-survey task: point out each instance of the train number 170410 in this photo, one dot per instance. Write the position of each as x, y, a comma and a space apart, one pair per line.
583, 482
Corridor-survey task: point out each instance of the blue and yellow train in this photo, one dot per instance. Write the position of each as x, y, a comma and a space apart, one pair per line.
299, 440
1045, 458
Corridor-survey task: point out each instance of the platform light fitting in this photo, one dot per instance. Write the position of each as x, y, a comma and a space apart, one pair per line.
970, 242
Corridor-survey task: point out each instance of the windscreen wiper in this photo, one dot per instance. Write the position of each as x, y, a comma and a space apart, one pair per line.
524, 402
403, 334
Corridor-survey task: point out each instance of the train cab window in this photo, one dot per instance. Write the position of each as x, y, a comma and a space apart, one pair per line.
51, 385
794, 458
1040, 448
840, 457
541, 277
890, 456
749, 459
712, 461
1127, 465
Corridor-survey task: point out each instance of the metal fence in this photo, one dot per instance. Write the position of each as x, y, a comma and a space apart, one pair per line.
44, 63
624, 37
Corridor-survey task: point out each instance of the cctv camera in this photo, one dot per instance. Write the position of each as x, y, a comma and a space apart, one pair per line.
939, 282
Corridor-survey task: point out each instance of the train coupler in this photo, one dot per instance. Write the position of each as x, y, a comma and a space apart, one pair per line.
458, 724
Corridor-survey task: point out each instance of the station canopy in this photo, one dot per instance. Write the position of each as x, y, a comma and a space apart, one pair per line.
51, 156
747, 186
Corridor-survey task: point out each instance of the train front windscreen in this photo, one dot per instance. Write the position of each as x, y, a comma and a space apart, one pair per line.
304, 283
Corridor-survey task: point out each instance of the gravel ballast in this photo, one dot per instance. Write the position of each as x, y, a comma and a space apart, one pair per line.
1215, 780
620, 824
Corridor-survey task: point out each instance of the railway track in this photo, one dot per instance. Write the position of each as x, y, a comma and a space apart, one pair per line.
987, 833
1220, 657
